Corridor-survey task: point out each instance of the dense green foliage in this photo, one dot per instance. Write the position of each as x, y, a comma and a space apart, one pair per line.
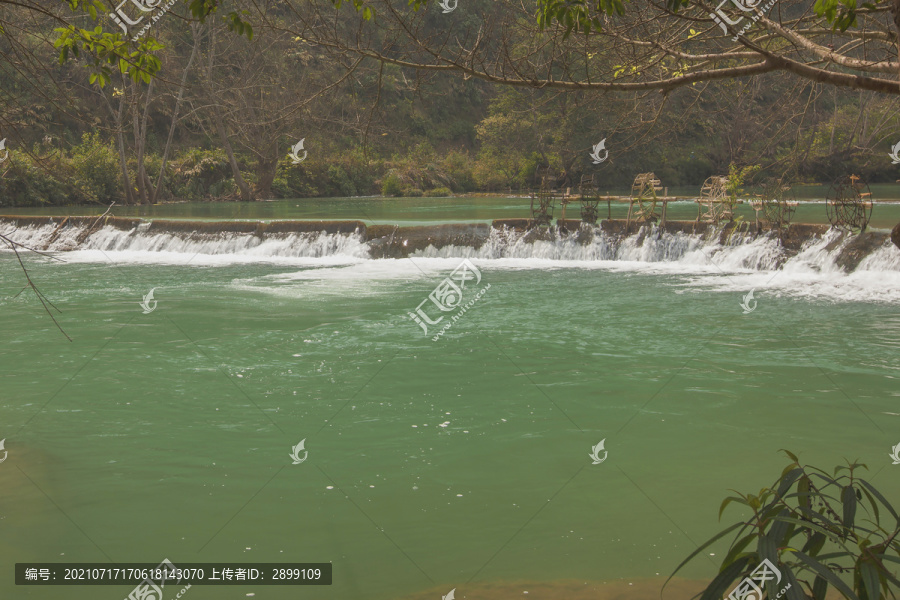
372, 128
87, 172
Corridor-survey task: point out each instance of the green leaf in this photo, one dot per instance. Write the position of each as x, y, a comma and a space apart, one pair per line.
794, 590
788, 480
702, 547
728, 501
779, 529
869, 575
767, 549
885, 572
888, 557
722, 583
803, 492
820, 588
819, 519
738, 547
823, 571
807, 525
882, 499
873, 504
814, 544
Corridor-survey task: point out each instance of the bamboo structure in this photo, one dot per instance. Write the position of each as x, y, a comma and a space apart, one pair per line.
849, 203
715, 204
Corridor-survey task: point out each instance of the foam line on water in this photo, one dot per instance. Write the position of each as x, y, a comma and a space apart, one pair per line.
738, 262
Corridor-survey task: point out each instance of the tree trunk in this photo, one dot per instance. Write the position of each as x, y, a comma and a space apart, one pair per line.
834, 111
140, 130
246, 196
895, 10
266, 177
118, 117
266, 169
120, 143
142, 170
165, 156
216, 117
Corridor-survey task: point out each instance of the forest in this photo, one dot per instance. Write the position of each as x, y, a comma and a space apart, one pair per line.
210, 108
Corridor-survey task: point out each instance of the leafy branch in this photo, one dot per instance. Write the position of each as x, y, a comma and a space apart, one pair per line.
821, 529
138, 59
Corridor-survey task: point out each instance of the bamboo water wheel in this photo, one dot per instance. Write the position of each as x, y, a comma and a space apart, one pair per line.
542, 199
590, 200
715, 204
776, 203
849, 203
644, 202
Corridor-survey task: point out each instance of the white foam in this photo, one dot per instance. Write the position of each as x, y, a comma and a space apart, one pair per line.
140, 246
340, 263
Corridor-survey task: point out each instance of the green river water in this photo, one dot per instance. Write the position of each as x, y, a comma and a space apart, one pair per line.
458, 463
425, 211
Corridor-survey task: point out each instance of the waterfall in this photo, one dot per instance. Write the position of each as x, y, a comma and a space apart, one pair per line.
734, 252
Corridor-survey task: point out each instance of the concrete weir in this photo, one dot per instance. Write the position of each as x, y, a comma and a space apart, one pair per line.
394, 241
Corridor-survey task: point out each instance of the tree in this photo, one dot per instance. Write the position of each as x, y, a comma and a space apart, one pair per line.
638, 46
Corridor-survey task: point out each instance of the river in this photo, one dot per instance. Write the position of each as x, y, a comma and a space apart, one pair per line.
461, 463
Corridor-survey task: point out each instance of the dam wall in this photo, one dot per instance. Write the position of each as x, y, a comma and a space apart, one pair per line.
611, 239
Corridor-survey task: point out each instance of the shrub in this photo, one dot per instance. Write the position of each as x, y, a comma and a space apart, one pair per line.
96, 174
195, 172
440, 192
460, 170
413, 193
340, 181
309, 179
26, 183
806, 511
391, 186
281, 188
362, 170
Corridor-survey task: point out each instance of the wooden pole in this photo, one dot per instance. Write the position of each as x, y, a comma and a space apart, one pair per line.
628, 220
